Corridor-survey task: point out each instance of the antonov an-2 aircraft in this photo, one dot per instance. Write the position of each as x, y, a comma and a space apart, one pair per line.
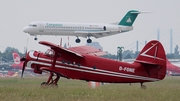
85, 30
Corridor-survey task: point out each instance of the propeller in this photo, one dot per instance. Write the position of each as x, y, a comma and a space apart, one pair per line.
24, 60
24, 65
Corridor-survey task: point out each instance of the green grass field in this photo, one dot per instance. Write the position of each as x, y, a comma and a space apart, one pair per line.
28, 89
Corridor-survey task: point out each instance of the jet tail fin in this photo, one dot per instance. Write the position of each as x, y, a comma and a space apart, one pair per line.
153, 58
129, 18
16, 58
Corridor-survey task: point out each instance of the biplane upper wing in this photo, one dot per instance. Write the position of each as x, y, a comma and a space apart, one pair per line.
88, 50
78, 51
59, 49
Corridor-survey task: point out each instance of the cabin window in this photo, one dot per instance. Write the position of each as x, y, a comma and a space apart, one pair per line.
49, 52
68, 62
94, 67
33, 25
63, 61
104, 28
79, 64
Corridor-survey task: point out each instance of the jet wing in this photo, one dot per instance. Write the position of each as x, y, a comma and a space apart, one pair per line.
58, 48
96, 34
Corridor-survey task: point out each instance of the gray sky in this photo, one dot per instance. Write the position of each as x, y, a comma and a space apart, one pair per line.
16, 14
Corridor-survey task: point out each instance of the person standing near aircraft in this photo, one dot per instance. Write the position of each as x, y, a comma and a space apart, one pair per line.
86, 30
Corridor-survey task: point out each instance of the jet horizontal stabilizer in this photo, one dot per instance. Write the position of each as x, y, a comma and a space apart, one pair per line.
140, 12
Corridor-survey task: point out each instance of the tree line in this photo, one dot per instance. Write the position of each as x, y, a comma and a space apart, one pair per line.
6, 56
126, 54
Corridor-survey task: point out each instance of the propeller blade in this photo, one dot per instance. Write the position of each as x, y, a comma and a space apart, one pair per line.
24, 59
26, 48
24, 64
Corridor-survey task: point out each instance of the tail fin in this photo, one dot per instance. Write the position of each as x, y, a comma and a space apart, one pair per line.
16, 58
153, 58
129, 18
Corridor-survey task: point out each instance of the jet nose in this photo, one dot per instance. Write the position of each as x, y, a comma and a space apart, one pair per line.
25, 29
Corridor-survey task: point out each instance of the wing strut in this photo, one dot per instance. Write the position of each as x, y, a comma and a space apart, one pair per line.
55, 58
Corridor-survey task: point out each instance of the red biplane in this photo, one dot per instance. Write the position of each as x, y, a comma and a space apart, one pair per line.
85, 63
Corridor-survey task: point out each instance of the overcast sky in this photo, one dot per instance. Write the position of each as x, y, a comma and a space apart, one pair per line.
16, 14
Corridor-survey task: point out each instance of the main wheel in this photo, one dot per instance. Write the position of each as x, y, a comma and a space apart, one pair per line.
89, 40
78, 40
43, 84
35, 38
53, 85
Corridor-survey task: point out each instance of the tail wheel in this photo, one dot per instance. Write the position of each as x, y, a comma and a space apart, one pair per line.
143, 86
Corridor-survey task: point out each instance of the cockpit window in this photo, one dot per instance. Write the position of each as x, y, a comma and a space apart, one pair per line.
33, 25
49, 52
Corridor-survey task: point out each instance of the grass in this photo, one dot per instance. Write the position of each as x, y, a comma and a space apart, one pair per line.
28, 89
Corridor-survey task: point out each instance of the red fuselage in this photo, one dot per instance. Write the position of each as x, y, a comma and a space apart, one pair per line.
93, 68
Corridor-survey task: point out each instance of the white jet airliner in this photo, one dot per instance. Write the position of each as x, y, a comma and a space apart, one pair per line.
85, 30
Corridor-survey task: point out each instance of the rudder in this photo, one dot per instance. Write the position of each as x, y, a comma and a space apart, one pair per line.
16, 58
153, 56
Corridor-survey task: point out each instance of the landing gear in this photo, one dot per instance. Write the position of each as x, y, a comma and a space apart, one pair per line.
143, 86
51, 82
35, 38
78, 40
44, 84
89, 40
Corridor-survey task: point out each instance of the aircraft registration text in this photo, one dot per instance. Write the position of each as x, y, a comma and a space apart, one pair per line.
127, 69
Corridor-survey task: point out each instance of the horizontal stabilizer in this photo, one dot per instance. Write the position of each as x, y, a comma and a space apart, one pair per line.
135, 12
